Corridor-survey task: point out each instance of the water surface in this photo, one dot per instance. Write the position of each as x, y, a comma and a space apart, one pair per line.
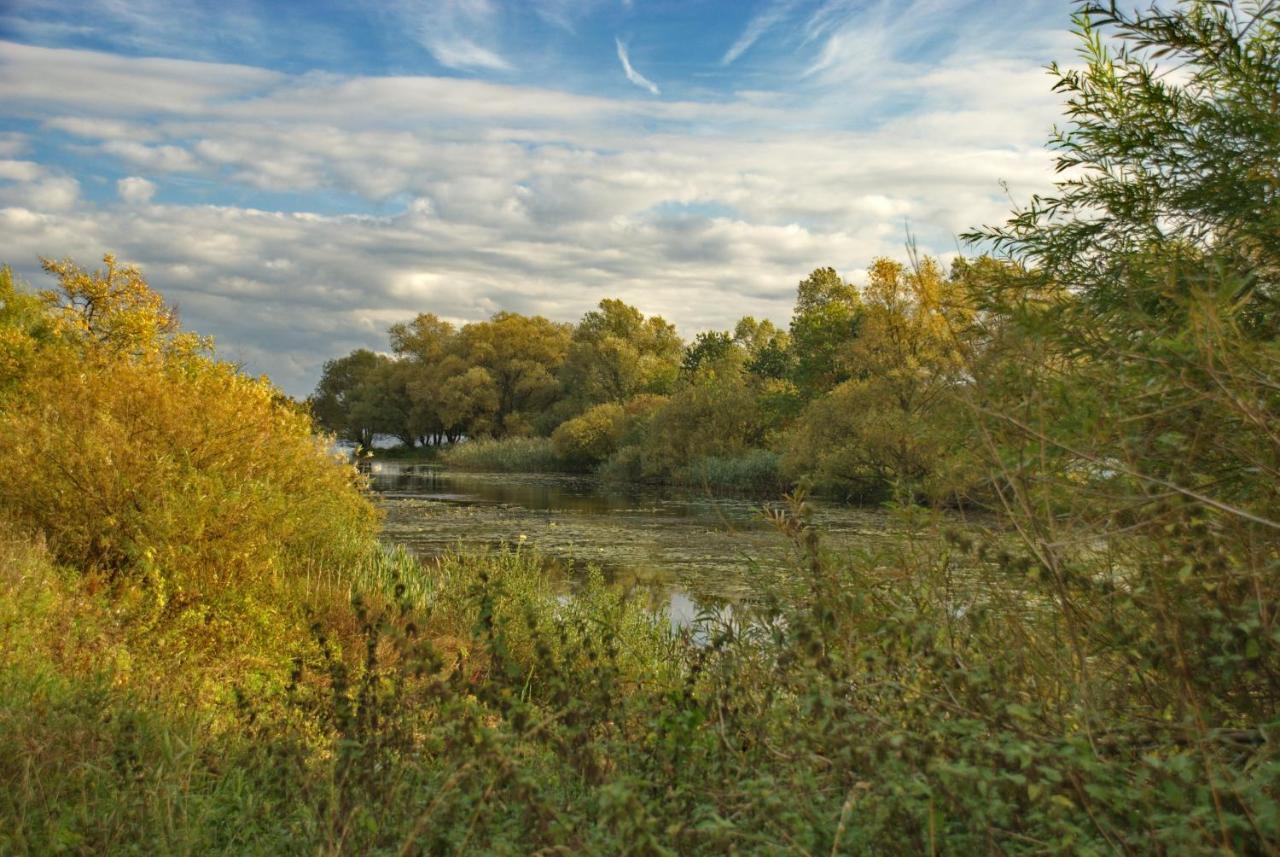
684, 550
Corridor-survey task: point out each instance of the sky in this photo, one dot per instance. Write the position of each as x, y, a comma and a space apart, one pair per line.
297, 176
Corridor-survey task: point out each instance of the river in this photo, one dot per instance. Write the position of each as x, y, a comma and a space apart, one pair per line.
682, 550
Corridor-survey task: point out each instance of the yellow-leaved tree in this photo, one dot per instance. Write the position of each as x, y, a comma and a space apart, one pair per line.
143, 460
894, 422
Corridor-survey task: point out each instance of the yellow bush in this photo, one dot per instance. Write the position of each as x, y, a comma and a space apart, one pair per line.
136, 453
588, 439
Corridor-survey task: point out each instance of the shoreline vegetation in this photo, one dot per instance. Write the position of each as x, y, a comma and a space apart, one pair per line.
754, 473
205, 647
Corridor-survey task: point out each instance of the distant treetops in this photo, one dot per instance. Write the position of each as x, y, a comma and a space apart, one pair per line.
853, 367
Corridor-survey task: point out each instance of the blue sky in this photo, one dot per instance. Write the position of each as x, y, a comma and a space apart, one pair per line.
298, 176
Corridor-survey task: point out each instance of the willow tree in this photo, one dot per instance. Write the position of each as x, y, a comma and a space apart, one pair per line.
617, 353
1138, 455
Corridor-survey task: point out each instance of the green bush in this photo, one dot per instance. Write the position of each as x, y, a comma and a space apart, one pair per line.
625, 465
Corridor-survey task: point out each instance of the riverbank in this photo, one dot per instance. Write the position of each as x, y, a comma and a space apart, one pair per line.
756, 473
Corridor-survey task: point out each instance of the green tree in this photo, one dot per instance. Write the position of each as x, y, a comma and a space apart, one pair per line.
427, 347
616, 353
712, 413
427, 339
824, 323
768, 348
521, 357
708, 348
895, 421
1139, 403
340, 401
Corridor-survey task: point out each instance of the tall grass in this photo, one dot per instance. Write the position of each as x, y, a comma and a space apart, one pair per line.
756, 472
504, 455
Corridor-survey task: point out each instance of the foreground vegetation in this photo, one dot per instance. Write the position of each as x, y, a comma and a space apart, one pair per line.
203, 648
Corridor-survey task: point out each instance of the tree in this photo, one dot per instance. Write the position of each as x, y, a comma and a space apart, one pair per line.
521, 356
768, 348
427, 349
894, 421
712, 413
707, 349
340, 403
825, 321
617, 353
1139, 404
468, 403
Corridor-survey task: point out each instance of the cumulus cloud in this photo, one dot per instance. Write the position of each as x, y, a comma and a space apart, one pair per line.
632, 75
53, 193
135, 190
20, 171
165, 158
464, 196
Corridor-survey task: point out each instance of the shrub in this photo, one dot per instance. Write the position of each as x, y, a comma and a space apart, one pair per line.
625, 465
712, 414
135, 453
589, 439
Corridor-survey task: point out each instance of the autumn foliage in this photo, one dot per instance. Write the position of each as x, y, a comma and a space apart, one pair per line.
136, 453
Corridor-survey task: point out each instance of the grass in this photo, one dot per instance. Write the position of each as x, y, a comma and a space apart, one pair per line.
754, 473
505, 455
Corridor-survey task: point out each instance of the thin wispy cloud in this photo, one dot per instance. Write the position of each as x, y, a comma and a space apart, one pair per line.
757, 27
564, 14
632, 75
457, 33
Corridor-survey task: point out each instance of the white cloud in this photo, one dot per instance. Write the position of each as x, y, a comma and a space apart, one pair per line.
100, 128
35, 77
12, 143
49, 194
166, 158
503, 196
20, 171
458, 33
632, 75
135, 190
757, 27
458, 52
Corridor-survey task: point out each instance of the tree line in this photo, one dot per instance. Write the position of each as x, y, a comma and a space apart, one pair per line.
853, 394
